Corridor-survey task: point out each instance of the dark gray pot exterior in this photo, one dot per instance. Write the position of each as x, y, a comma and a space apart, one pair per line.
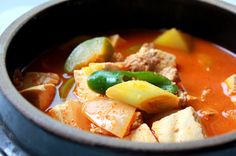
58, 21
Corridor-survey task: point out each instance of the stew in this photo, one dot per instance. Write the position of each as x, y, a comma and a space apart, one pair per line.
148, 86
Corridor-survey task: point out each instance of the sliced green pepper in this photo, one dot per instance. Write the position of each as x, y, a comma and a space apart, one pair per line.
101, 80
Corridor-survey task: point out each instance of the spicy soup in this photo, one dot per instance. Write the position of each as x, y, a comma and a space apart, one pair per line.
202, 72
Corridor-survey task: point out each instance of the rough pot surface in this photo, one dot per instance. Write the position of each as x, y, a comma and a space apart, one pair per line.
58, 21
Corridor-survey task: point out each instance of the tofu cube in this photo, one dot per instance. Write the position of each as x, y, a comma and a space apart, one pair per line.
40, 96
110, 115
70, 113
141, 134
178, 127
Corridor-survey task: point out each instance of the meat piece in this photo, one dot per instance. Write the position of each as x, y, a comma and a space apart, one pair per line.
170, 72
70, 113
38, 78
191, 98
141, 134
117, 57
204, 94
230, 114
207, 112
183, 98
41, 96
178, 127
144, 60
151, 59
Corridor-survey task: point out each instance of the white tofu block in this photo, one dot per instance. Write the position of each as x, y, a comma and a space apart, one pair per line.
178, 127
141, 134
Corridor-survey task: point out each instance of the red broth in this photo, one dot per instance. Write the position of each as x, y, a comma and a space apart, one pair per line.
204, 68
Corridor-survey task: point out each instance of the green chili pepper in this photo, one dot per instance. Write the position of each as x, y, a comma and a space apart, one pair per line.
101, 80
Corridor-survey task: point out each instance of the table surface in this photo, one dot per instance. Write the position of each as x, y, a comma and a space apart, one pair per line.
9, 11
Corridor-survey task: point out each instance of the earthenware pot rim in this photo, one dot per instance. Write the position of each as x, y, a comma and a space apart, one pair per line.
78, 136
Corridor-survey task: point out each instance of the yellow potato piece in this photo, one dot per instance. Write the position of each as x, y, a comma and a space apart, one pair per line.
116, 40
175, 39
112, 116
143, 95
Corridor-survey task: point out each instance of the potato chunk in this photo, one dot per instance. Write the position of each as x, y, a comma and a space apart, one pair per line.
178, 127
175, 39
116, 40
141, 134
41, 96
113, 116
143, 95
70, 113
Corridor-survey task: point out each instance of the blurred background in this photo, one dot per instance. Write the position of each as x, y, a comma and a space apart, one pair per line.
12, 9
